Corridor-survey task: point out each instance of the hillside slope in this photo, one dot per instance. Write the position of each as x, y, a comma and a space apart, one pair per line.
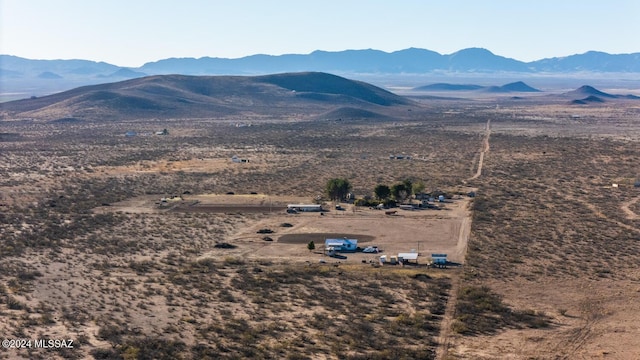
181, 96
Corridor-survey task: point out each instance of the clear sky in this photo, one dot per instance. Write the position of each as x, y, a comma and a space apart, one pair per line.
132, 32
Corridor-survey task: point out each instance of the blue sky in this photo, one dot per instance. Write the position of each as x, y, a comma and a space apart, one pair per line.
132, 32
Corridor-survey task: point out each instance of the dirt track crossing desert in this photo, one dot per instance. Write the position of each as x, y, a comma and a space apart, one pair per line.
138, 242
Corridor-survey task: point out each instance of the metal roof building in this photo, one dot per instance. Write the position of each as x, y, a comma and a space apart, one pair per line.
341, 245
305, 207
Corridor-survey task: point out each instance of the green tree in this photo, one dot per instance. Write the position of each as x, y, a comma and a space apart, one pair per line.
311, 245
338, 188
418, 188
408, 186
399, 192
382, 192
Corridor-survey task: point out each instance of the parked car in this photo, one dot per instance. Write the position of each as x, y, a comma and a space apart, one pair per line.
371, 249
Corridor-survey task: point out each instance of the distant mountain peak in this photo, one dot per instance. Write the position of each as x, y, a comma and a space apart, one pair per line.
127, 74
473, 51
586, 91
517, 86
49, 75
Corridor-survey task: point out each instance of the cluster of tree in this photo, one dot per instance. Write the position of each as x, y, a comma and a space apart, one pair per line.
337, 189
398, 192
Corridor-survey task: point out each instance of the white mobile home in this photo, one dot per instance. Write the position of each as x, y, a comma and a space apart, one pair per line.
304, 207
341, 245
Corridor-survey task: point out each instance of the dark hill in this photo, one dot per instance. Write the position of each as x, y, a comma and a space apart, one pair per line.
592, 99
518, 86
125, 74
588, 100
321, 83
181, 96
587, 94
586, 91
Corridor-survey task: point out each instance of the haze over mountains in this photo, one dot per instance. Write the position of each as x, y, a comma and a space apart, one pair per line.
38, 77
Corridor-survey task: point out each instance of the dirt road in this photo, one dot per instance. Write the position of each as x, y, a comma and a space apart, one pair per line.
444, 339
485, 149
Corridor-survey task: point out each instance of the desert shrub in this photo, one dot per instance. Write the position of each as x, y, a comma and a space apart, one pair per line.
142, 267
224, 245
112, 333
14, 304
481, 311
106, 354
366, 202
154, 349
231, 260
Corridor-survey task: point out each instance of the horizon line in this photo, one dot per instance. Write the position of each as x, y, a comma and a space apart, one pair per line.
310, 53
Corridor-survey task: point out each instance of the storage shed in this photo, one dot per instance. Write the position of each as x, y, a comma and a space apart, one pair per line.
439, 259
407, 257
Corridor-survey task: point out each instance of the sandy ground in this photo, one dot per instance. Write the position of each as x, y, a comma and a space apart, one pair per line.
424, 231
599, 320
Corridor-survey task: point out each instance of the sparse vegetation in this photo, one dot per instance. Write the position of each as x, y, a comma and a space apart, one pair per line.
136, 284
479, 311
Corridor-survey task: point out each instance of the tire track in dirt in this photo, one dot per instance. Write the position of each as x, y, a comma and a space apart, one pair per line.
485, 149
445, 336
573, 341
597, 212
626, 208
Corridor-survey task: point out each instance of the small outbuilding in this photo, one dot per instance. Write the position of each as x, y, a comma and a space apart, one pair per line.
392, 260
408, 257
439, 259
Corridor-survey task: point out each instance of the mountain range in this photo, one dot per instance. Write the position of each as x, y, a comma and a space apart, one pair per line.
410, 60
38, 77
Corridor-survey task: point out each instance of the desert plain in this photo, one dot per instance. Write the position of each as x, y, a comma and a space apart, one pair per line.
544, 255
